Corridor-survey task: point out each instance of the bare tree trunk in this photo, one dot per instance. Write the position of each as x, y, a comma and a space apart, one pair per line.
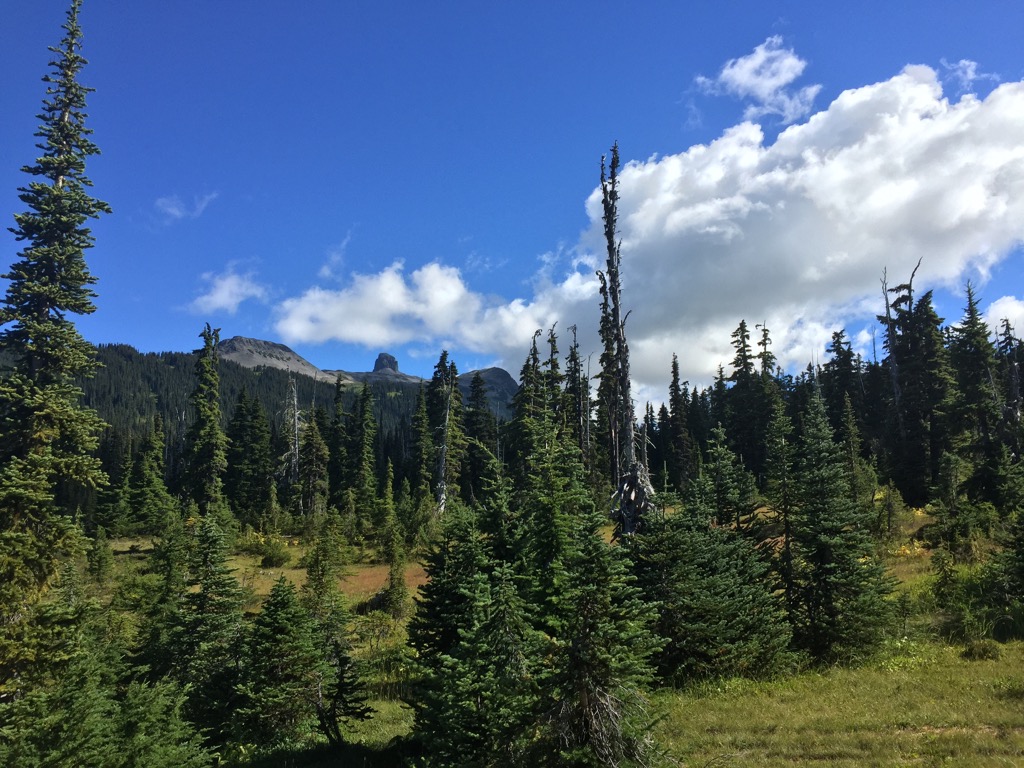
442, 453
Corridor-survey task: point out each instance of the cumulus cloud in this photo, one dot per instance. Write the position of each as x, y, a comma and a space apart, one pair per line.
172, 208
764, 77
796, 234
432, 304
226, 291
793, 235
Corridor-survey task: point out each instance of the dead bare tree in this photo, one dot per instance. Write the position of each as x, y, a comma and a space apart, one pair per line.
630, 474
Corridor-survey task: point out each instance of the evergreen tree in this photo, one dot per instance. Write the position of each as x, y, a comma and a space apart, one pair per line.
249, 475
716, 608
482, 691
277, 694
481, 434
780, 493
593, 710
313, 473
46, 436
340, 693
442, 606
337, 447
161, 619
209, 641
732, 486
362, 433
577, 401
206, 444
444, 416
923, 391
977, 412
839, 380
680, 459
839, 610
392, 549
149, 498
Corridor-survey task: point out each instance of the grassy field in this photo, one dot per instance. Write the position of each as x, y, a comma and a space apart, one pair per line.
920, 704
925, 705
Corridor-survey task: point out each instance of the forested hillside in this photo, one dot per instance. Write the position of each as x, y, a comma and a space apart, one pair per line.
543, 584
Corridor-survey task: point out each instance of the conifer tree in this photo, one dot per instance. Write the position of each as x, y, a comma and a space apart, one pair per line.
46, 435
732, 485
277, 693
149, 498
313, 475
444, 415
159, 630
340, 694
977, 413
839, 611
577, 401
362, 433
630, 474
206, 444
716, 607
391, 539
681, 463
249, 475
337, 447
483, 693
481, 431
210, 638
593, 709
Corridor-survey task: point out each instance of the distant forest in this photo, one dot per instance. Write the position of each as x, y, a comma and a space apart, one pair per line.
573, 559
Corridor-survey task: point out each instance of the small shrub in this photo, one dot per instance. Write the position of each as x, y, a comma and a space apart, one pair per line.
982, 650
275, 553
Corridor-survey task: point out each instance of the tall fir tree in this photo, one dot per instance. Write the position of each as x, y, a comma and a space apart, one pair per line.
362, 475
206, 444
313, 474
444, 414
977, 413
46, 436
249, 474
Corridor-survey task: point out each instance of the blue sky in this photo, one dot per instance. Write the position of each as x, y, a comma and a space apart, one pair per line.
349, 178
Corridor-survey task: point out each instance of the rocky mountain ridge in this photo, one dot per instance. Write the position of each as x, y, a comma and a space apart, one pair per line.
257, 353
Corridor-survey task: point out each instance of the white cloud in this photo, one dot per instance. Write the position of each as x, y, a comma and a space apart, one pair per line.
793, 234
172, 208
335, 259
764, 77
433, 304
965, 74
1006, 308
226, 291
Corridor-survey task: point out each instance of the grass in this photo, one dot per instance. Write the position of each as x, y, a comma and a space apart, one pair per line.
923, 705
920, 705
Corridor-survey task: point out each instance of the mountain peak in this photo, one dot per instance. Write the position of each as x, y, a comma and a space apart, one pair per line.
385, 362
